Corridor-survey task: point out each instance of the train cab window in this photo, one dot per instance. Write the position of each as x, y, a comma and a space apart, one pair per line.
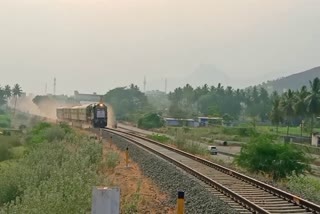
101, 113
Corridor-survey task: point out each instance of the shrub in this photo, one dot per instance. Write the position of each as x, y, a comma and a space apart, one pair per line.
278, 160
13, 141
5, 121
67, 129
112, 160
5, 151
306, 186
63, 172
150, 121
54, 133
159, 138
242, 131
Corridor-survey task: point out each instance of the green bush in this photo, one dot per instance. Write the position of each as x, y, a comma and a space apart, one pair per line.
278, 160
306, 186
159, 138
52, 178
54, 133
150, 121
5, 121
46, 132
5, 151
13, 141
241, 131
112, 160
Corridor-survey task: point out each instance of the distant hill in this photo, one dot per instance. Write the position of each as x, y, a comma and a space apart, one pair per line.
294, 81
203, 74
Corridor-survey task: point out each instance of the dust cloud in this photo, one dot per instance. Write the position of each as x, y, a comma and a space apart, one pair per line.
111, 117
25, 104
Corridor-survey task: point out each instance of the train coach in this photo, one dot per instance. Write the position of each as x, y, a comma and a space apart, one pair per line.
85, 116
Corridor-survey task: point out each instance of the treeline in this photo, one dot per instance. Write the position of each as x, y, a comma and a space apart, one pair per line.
219, 101
255, 103
7, 92
290, 108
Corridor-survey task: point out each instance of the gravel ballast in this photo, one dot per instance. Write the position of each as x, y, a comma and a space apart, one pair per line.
171, 180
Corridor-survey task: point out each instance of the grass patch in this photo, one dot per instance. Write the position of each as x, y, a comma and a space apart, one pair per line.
308, 187
112, 160
131, 205
159, 138
52, 177
18, 152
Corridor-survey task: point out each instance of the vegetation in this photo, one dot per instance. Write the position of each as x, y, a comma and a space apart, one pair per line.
261, 155
5, 121
63, 170
159, 138
131, 204
150, 121
292, 108
306, 186
112, 160
127, 102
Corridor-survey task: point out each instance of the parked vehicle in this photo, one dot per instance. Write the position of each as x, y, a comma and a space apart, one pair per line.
213, 150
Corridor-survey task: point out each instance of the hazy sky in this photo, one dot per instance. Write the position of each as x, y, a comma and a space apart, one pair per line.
96, 45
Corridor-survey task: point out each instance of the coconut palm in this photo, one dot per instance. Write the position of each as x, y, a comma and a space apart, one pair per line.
276, 113
287, 106
2, 96
300, 106
17, 92
8, 93
313, 100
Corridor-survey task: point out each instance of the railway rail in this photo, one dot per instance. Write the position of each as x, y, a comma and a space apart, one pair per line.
245, 194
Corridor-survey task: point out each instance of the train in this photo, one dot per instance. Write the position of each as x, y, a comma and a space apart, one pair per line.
94, 115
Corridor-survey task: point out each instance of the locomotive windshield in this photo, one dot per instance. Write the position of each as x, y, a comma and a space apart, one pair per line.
101, 113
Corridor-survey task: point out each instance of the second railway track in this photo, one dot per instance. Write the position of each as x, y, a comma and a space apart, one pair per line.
243, 193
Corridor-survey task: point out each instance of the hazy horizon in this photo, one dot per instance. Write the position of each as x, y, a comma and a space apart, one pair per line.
97, 45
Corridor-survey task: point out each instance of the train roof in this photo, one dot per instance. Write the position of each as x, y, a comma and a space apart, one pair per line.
81, 106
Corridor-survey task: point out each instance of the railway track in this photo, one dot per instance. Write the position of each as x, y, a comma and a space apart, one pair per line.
315, 168
245, 194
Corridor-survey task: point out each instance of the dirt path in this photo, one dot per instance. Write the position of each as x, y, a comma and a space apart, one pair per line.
138, 193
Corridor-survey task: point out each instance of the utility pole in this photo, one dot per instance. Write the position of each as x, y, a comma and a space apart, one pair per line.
54, 86
45, 89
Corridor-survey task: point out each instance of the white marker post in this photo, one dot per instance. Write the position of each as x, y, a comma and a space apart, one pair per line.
105, 200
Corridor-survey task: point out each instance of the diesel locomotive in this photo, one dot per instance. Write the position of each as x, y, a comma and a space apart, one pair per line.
93, 115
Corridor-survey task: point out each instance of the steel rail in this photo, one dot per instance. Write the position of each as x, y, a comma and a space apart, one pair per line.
226, 191
310, 206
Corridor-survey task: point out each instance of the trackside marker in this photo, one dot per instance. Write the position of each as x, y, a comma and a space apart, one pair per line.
180, 203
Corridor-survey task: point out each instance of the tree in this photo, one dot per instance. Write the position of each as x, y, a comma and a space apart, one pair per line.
7, 92
275, 159
287, 106
127, 103
300, 106
17, 92
150, 121
276, 114
313, 100
2, 97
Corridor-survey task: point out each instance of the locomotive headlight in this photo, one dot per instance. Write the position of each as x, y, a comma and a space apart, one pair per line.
100, 105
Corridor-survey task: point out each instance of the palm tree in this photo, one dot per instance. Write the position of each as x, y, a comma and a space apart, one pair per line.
313, 100
300, 107
287, 104
276, 113
8, 93
16, 91
2, 97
